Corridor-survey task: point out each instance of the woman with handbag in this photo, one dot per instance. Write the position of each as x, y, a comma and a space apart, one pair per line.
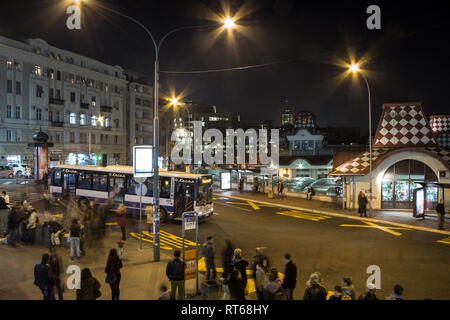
112, 270
89, 287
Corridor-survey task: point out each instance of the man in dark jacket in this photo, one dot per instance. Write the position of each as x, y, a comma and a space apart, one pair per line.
208, 253
42, 277
175, 273
15, 219
440, 209
314, 290
55, 272
260, 258
290, 278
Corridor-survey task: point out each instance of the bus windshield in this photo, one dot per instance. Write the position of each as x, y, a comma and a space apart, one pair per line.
205, 191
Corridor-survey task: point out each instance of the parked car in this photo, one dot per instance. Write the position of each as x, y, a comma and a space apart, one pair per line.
6, 172
19, 169
326, 186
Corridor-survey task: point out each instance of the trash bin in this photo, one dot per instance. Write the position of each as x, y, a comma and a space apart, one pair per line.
210, 290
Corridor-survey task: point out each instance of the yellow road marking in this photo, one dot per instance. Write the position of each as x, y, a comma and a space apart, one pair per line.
251, 204
138, 236
303, 215
445, 240
168, 241
59, 215
111, 224
373, 225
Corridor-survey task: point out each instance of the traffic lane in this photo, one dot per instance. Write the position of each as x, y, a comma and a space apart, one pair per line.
413, 259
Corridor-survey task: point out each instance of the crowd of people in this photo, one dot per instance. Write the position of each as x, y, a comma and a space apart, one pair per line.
269, 283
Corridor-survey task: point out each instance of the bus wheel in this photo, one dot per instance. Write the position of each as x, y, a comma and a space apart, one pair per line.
162, 214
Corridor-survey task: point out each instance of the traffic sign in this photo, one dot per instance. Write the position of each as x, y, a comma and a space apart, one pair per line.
141, 189
189, 223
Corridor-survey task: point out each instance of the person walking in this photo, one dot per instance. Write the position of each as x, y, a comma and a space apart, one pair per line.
440, 209
122, 219
112, 270
30, 228
314, 290
15, 219
240, 265
241, 185
6, 197
74, 239
55, 272
280, 189
208, 253
227, 256
290, 278
89, 286
362, 204
260, 280
175, 273
42, 277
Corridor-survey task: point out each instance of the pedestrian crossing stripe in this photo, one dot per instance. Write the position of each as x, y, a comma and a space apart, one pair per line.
167, 240
303, 215
445, 240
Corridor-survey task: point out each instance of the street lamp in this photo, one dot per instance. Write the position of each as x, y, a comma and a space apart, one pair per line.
229, 24
354, 68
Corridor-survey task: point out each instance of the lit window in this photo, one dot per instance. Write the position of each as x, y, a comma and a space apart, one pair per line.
94, 121
83, 119
73, 118
107, 122
38, 70
9, 65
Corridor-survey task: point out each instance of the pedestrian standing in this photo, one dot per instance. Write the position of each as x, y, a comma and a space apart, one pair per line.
89, 286
260, 281
122, 219
348, 292
227, 256
337, 295
15, 219
314, 290
45, 180
362, 204
74, 239
42, 277
272, 289
398, 293
55, 271
208, 253
112, 270
6, 197
31, 226
237, 286
261, 258
310, 193
440, 209
241, 184
241, 265
280, 189
370, 293
290, 278
175, 273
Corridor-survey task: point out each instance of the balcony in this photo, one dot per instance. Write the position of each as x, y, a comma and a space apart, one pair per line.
106, 109
84, 105
56, 101
57, 124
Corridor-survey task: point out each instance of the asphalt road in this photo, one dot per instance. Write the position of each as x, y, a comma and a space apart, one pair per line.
336, 247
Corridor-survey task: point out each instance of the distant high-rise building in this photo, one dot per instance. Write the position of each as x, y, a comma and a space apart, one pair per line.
287, 114
305, 119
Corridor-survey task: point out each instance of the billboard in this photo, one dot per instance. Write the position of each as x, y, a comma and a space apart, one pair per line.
225, 180
142, 161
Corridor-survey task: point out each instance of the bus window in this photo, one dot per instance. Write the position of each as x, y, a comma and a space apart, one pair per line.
100, 182
164, 187
69, 182
56, 178
131, 185
84, 180
149, 185
204, 194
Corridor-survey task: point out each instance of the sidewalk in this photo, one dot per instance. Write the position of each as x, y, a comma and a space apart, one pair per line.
141, 277
397, 218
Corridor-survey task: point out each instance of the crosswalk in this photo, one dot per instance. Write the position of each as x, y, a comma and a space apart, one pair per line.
168, 241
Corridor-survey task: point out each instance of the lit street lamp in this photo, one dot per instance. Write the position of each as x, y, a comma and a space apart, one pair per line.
228, 23
354, 68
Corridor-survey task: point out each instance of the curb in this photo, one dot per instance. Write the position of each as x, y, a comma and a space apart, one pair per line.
339, 215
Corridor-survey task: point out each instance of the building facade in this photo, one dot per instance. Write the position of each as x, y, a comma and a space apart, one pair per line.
79, 102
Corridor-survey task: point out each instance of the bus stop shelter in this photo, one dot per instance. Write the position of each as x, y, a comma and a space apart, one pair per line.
420, 205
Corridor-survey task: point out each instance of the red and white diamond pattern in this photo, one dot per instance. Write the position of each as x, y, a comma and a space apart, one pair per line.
403, 126
359, 164
440, 123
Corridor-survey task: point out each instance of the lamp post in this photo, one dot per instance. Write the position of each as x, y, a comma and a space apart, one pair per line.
228, 23
355, 69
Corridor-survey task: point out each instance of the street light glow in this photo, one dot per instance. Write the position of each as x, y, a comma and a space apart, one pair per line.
354, 68
228, 23
174, 101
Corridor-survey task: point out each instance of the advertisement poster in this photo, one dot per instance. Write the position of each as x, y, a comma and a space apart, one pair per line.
225, 180
142, 161
42, 161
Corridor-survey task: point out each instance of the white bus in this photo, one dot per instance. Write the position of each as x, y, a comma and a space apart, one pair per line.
178, 191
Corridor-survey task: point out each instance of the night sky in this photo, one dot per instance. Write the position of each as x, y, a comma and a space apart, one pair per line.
406, 60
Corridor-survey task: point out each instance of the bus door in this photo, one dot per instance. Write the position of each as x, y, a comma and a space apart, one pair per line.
117, 187
184, 195
69, 182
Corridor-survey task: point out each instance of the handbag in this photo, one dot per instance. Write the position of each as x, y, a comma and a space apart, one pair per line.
110, 277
